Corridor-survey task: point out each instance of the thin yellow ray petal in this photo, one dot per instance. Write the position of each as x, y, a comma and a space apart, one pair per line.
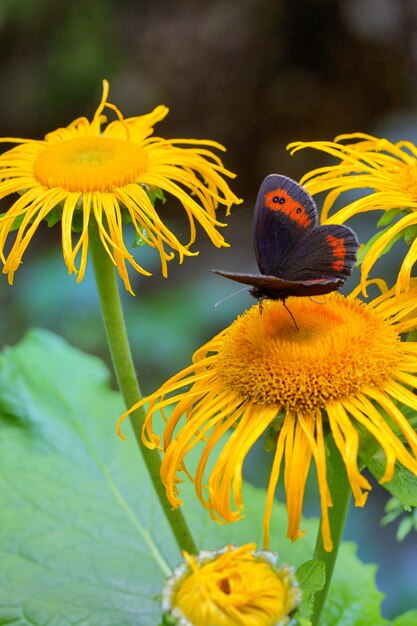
226, 419
408, 398
403, 279
374, 202
211, 403
386, 437
378, 282
297, 464
203, 217
29, 225
14, 185
226, 475
286, 431
140, 208
367, 415
378, 247
318, 450
191, 434
68, 211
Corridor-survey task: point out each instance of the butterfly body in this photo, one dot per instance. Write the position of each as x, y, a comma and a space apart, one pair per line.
295, 255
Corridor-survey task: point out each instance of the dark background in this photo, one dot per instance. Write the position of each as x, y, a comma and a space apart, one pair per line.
254, 75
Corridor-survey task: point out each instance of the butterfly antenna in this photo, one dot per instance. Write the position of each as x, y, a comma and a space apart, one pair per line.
230, 296
292, 316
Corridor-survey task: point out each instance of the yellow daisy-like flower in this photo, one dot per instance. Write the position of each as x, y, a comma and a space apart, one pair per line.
388, 173
85, 173
345, 366
235, 586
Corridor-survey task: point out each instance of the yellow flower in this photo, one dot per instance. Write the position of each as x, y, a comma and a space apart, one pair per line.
85, 173
345, 366
387, 172
231, 587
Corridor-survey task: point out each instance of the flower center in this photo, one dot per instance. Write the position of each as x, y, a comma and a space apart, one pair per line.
90, 164
341, 345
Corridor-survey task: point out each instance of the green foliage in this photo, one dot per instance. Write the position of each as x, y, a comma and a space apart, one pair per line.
16, 222
389, 216
76, 535
367, 246
408, 619
312, 578
409, 234
353, 597
273, 433
83, 539
408, 412
394, 509
403, 484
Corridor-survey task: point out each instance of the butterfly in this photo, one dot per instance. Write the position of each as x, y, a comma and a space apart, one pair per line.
295, 255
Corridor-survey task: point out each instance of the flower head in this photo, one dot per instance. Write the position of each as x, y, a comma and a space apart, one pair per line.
234, 586
387, 172
85, 173
345, 366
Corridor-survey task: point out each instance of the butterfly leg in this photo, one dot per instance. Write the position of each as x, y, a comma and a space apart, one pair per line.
315, 301
260, 304
292, 316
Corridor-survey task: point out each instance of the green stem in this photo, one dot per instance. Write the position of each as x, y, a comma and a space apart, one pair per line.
341, 492
114, 323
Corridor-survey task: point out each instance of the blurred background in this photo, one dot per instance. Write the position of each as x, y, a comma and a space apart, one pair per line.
253, 75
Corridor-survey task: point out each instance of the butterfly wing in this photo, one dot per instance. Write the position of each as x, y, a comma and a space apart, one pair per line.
278, 288
284, 215
296, 256
326, 252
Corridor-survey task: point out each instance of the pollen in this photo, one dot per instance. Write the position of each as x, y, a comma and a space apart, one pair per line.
86, 164
340, 346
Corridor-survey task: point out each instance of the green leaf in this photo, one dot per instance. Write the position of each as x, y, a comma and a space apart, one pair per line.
154, 193
54, 216
405, 526
410, 233
389, 216
76, 505
312, 577
273, 433
394, 509
403, 484
140, 238
353, 597
407, 619
367, 246
412, 336
16, 222
83, 540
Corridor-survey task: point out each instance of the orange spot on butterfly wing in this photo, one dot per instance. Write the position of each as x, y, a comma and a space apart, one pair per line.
280, 201
337, 245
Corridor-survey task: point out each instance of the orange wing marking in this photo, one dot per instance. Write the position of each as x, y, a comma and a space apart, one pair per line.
280, 201
338, 250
